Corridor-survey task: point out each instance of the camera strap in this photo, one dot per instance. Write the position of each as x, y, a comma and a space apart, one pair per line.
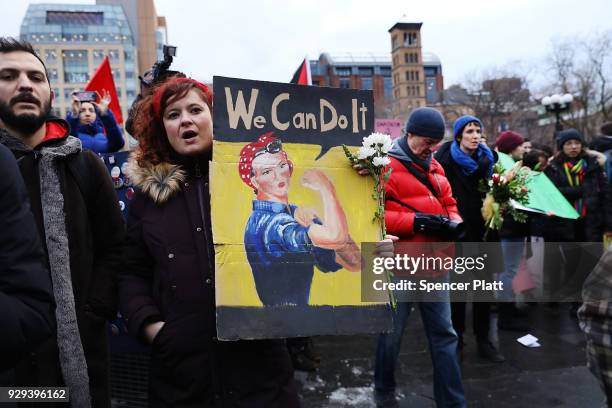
420, 176
403, 204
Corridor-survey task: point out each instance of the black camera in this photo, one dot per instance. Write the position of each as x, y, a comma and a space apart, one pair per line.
439, 225
455, 230
161, 69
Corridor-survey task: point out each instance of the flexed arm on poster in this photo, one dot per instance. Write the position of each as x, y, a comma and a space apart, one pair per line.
333, 231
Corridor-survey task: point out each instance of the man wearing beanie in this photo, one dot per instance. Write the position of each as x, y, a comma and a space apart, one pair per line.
419, 208
511, 143
468, 162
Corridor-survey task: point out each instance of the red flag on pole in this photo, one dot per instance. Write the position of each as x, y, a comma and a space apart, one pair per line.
102, 81
302, 75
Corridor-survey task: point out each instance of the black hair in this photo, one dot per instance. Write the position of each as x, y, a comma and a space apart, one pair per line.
11, 44
532, 159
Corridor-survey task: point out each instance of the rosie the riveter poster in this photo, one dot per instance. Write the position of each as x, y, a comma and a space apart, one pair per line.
288, 211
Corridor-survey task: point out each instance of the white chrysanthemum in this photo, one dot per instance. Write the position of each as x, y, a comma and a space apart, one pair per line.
387, 145
380, 141
381, 161
365, 152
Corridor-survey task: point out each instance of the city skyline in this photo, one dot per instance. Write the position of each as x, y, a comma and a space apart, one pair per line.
269, 39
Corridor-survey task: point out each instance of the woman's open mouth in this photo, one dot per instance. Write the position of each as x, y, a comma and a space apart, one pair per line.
189, 134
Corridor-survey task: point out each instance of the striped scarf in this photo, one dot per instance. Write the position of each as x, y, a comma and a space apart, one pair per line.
575, 176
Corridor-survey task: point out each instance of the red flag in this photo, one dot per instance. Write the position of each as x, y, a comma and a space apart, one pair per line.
102, 81
302, 75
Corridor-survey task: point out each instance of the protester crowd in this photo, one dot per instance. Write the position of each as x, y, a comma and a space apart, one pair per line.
68, 263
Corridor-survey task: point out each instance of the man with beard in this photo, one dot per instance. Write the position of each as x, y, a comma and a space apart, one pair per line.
80, 225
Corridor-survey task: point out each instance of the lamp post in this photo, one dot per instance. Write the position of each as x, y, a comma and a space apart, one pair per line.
557, 104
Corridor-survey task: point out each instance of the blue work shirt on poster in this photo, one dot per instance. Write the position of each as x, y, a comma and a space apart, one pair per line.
281, 255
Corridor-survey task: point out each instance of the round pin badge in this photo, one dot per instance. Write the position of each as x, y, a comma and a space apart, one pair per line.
115, 172
118, 182
122, 205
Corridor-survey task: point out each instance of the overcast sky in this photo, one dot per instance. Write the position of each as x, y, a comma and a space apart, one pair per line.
266, 39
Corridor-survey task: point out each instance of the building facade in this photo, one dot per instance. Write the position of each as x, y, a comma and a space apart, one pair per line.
367, 71
407, 68
434, 80
149, 29
73, 40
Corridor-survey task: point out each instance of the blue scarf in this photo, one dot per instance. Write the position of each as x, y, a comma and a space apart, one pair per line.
467, 163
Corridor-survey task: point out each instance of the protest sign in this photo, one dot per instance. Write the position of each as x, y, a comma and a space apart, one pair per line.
289, 212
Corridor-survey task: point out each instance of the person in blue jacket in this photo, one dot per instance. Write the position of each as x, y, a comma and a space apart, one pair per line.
95, 125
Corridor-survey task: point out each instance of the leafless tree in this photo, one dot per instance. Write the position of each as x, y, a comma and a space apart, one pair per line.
501, 98
582, 66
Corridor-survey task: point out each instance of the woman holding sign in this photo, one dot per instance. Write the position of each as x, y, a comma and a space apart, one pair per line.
167, 285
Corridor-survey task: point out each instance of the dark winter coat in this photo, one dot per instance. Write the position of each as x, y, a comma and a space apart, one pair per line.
95, 233
26, 297
465, 189
169, 276
101, 136
595, 192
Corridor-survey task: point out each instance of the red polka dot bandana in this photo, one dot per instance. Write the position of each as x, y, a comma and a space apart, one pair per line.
266, 143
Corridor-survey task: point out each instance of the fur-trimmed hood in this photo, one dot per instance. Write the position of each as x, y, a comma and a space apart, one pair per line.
159, 181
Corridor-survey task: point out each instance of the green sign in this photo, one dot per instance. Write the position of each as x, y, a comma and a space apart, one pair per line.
543, 195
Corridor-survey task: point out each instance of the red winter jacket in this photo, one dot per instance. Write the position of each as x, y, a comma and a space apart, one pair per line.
405, 187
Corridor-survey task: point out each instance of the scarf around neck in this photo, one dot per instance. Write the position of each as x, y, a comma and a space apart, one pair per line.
402, 142
71, 354
482, 159
575, 176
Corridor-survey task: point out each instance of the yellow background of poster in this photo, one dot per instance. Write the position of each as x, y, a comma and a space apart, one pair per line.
232, 205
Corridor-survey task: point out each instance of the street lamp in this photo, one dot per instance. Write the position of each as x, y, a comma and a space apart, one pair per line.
557, 103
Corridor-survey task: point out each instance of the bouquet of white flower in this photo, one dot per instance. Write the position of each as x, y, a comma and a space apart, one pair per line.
373, 155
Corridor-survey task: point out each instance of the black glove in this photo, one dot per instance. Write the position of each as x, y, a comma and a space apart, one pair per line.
438, 225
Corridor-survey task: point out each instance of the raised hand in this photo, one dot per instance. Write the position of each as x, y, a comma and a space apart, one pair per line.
76, 104
104, 103
316, 180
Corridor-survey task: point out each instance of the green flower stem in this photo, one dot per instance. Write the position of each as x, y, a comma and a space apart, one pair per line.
379, 195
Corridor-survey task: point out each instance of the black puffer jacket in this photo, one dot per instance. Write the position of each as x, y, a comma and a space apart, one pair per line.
595, 192
26, 298
169, 276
